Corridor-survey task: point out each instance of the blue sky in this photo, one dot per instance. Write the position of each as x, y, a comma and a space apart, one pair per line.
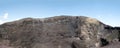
107, 11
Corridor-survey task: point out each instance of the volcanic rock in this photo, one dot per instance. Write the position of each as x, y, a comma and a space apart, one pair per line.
58, 32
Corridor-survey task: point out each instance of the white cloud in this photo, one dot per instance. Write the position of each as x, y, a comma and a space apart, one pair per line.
99, 16
1, 22
5, 16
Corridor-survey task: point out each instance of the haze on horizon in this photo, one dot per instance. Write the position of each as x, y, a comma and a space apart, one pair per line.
107, 11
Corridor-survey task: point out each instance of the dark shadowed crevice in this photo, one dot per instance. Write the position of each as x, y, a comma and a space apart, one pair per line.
119, 36
75, 26
1, 35
104, 42
108, 27
118, 29
77, 17
73, 46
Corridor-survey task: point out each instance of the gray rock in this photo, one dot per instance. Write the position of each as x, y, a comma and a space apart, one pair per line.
58, 32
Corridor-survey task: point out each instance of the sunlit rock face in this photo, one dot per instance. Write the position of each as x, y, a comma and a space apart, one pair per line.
58, 32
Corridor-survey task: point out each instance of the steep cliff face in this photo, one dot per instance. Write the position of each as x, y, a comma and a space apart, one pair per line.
57, 32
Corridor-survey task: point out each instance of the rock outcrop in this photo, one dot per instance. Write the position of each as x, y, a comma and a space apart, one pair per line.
58, 32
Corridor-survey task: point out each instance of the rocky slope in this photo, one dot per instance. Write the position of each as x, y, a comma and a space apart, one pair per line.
58, 32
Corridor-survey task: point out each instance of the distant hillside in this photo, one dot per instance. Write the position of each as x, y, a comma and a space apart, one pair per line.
58, 32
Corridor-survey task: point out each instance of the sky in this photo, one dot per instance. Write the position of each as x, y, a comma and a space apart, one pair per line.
107, 11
